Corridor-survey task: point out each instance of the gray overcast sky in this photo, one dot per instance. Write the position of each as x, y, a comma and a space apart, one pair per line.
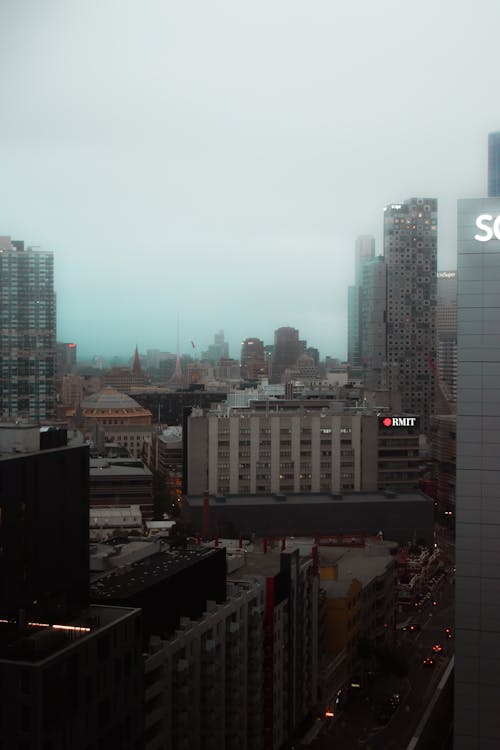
218, 158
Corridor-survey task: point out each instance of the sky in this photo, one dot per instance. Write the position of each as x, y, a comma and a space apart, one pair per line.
215, 160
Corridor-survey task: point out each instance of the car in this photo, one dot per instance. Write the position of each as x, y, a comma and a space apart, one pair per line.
428, 661
394, 700
448, 633
412, 627
437, 648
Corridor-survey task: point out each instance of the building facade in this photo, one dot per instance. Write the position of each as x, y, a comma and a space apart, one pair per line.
372, 314
287, 349
446, 335
410, 251
28, 332
253, 359
477, 652
294, 451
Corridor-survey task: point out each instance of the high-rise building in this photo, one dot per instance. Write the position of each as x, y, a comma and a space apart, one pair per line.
372, 319
477, 652
28, 332
494, 164
410, 251
218, 350
287, 350
364, 252
446, 333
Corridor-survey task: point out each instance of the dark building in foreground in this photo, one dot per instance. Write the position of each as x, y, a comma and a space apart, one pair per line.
399, 517
76, 684
70, 673
44, 572
477, 652
172, 584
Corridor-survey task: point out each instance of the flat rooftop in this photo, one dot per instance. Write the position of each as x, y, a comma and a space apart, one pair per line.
148, 572
37, 643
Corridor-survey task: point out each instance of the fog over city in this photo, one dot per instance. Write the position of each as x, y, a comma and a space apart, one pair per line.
215, 160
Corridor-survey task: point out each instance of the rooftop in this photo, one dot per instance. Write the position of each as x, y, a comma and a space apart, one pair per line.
38, 642
145, 573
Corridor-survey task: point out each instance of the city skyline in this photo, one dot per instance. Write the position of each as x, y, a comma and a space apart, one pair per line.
219, 162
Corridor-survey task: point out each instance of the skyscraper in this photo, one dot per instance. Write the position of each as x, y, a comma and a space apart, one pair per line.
372, 325
477, 653
494, 164
364, 252
28, 332
410, 251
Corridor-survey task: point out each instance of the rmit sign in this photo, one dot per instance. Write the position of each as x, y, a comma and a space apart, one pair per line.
399, 421
489, 226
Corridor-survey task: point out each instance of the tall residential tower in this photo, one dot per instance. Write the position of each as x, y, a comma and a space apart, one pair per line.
27, 332
410, 250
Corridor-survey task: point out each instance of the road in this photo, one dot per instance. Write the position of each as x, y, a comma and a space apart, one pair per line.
359, 723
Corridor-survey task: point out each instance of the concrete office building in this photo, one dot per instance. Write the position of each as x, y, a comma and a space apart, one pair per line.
28, 332
477, 654
410, 251
310, 450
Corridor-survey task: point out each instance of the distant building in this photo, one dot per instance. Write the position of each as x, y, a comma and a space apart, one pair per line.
111, 407
218, 350
126, 378
253, 359
372, 316
66, 358
287, 350
28, 338
364, 252
121, 482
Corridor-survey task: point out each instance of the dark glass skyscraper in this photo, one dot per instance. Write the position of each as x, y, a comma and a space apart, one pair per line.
27, 332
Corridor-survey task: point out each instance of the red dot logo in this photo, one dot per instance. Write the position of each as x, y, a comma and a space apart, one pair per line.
387, 422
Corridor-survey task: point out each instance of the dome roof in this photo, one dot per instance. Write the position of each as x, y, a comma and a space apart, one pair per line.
111, 400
